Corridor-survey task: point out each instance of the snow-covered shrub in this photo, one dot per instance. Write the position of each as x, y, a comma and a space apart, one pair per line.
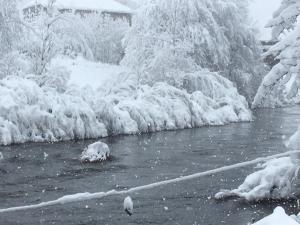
29, 112
173, 37
274, 180
281, 85
96, 152
55, 77
14, 64
130, 108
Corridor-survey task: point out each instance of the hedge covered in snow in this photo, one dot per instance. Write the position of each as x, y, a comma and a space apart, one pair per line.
31, 112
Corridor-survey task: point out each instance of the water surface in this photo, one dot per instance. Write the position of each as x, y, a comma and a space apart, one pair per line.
33, 173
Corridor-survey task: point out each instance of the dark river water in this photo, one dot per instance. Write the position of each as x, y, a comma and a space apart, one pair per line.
33, 173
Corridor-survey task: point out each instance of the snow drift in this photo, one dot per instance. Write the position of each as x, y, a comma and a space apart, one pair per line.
274, 180
29, 112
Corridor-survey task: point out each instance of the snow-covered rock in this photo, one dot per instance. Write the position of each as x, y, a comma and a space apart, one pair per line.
279, 217
274, 180
29, 112
96, 152
128, 205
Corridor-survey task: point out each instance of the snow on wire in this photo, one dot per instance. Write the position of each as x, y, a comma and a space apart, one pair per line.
89, 196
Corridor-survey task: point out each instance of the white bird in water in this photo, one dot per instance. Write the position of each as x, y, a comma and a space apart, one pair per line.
128, 205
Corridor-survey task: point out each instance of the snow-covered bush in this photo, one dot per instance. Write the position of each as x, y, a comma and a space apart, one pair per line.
55, 77
96, 152
29, 112
274, 180
281, 85
170, 38
14, 64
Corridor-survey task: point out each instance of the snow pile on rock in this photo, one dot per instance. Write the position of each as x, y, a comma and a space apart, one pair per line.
96, 152
29, 112
279, 217
274, 180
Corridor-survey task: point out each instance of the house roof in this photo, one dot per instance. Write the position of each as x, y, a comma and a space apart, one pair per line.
100, 5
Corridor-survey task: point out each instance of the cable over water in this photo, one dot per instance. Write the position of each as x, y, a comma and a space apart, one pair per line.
89, 196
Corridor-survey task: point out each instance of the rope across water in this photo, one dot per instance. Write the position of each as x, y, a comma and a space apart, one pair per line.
88, 196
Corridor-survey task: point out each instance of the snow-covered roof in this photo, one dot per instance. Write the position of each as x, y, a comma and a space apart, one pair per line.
101, 5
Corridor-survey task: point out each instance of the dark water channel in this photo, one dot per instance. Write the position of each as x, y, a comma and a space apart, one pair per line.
33, 173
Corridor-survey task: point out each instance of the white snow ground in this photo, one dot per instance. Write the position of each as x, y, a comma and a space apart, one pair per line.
88, 73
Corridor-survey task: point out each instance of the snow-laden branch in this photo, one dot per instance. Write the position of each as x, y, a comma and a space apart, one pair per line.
89, 196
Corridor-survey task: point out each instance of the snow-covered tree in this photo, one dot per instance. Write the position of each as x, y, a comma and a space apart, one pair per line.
51, 33
10, 35
9, 25
285, 18
104, 36
171, 37
281, 85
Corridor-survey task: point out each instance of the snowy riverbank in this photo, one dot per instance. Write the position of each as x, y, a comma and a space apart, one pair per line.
29, 112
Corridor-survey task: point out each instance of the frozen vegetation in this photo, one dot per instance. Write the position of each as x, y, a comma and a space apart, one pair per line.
274, 180
96, 152
33, 113
280, 87
56, 86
